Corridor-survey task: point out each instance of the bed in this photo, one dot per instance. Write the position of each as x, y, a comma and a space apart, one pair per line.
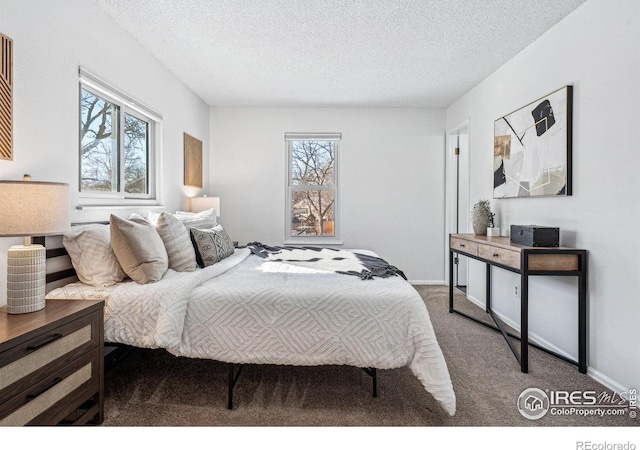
249, 308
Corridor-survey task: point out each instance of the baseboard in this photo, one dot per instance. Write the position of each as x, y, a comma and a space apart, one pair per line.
608, 382
591, 372
477, 302
427, 282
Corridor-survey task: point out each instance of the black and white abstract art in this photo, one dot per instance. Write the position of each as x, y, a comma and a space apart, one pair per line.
532, 148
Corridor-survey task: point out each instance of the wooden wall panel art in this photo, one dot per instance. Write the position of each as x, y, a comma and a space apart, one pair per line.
6, 97
192, 161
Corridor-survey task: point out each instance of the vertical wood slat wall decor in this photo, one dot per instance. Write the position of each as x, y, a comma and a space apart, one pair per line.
192, 161
6, 97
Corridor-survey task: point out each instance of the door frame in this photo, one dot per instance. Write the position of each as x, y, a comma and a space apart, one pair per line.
451, 211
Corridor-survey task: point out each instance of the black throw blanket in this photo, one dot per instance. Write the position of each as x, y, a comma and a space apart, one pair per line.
365, 267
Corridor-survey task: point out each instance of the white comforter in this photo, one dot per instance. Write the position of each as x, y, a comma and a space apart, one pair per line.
245, 309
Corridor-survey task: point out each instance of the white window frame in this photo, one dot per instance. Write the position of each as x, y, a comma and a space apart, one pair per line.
127, 105
314, 240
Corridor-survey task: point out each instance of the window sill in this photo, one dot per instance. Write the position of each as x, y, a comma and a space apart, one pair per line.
136, 206
312, 241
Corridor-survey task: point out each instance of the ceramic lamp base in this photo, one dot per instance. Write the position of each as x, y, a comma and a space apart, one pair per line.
26, 278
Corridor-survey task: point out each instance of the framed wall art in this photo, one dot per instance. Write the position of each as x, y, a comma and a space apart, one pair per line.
192, 161
532, 148
6, 97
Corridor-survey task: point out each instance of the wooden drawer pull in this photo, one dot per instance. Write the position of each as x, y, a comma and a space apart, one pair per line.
55, 381
50, 339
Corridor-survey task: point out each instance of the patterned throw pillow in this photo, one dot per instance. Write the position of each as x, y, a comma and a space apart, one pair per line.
212, 245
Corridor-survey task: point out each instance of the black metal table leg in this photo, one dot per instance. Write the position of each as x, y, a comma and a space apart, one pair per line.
582, 313
524, 315
488, 289
450, 281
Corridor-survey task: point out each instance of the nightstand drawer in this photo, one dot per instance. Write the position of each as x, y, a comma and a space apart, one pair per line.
464, 246
51, 364
25, 364
52, 397
499, 255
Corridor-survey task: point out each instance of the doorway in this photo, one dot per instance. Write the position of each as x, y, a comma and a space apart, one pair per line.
458, 209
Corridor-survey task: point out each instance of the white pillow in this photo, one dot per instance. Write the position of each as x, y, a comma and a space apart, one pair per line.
136, 216
89, 247
200, 215
139, 249
182, 256
204, 219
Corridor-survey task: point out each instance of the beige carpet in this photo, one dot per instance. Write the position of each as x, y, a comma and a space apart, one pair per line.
154, 388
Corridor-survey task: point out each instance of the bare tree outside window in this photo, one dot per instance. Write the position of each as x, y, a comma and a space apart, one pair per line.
101, 141
98, 143
313, 187
136, 132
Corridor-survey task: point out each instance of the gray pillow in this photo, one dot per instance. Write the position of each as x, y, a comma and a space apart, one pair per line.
139, 249
174, 234
212, 245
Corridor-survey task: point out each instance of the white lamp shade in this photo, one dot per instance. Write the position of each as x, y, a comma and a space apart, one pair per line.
199, 204
29, 208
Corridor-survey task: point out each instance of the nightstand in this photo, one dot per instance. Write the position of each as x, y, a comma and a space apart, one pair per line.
52, 364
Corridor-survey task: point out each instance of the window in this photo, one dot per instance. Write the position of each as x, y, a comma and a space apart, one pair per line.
117, 143
312, 187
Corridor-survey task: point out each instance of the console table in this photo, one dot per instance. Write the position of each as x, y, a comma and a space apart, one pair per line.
526, 261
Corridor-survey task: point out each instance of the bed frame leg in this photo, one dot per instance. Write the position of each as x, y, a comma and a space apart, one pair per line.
230, 391
373, 373
374, 377
233, 379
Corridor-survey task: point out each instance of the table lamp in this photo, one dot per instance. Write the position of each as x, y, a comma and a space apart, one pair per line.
30, 208
199, 204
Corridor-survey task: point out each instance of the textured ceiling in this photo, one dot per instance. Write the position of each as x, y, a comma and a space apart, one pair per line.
422, 53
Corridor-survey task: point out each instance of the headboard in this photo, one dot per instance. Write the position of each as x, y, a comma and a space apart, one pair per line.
60, 271
59, 268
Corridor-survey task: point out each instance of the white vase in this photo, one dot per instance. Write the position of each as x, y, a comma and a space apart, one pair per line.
480, 225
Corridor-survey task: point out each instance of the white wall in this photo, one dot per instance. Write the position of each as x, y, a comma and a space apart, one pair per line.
51, 39
597, 50
391, 182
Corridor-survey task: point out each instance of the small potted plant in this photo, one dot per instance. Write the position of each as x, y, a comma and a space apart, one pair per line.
482, 218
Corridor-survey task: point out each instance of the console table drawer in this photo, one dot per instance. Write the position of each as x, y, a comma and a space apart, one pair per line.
499, 255
558, 263
464, 246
